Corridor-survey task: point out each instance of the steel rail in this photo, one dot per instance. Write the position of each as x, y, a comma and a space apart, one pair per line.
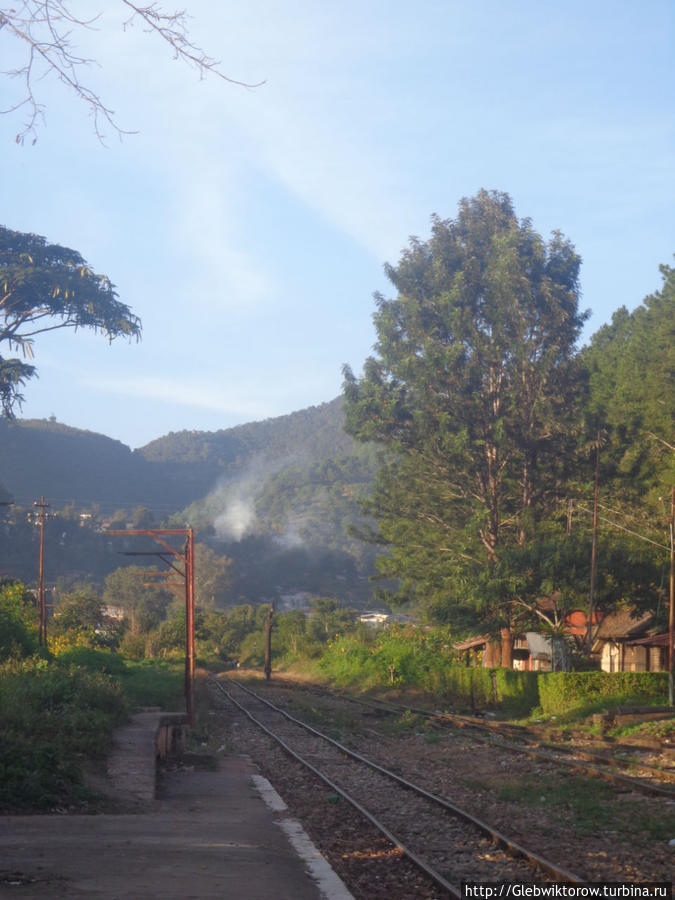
498, 838
452, 889
538, 749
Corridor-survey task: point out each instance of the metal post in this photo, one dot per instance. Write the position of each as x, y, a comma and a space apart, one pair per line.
591, 593
187, 584
671, 616
42, 599
190, 628
268, 642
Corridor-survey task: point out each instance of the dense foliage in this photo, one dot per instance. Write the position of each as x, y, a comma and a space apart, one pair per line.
478, 421
53, 717
285, 493
560, 692
488, 415
307, 434
43, 287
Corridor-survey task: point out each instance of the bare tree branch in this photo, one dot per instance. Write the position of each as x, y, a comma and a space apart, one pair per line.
46, 27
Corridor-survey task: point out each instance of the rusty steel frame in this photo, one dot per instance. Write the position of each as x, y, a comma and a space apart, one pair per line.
188, 576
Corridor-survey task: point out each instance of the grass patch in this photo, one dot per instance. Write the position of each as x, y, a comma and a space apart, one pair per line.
589, 806
476, 785
152, 682
660, 729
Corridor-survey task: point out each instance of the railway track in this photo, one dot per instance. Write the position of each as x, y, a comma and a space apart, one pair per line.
520, 740
447, 843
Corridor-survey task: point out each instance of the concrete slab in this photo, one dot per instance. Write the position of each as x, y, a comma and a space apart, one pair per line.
207, 835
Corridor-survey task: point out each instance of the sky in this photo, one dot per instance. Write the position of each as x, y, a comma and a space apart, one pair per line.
249, 227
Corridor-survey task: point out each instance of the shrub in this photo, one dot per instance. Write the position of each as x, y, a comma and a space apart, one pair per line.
133, 646
153, 683
53, 717
348, 660
93, 660
561, 691
469, 686
75, 638
400, 654
18, 622
517, 692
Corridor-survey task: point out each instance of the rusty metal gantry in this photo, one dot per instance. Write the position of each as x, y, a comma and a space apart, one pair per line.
183, 585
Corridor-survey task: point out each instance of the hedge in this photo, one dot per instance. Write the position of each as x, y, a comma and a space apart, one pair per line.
516, 692
561, 691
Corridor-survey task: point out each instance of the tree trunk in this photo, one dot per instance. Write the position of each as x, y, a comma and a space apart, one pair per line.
507, 648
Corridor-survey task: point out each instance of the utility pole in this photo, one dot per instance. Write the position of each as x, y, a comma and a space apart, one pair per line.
42, 600
591, 593
190, 626
268, 642
671, 615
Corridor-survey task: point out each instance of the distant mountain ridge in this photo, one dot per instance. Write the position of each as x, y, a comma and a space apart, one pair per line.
65, 464
316, 431
277, 497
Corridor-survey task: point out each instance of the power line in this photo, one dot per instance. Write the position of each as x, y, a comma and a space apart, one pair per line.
623, 528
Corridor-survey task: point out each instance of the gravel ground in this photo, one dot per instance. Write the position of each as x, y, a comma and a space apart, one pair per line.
617, 835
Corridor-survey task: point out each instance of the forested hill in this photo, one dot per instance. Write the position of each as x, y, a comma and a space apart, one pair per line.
39, 456
43, 457
276, 497
310, 434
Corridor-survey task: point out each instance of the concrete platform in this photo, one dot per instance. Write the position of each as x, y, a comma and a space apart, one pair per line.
207, 835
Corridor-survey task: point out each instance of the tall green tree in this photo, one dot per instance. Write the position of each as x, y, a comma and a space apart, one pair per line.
44, 287
472, 391
630, 365
145, 605
631, 368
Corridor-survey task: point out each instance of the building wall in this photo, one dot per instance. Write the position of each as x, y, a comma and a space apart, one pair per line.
610, 659
617, 657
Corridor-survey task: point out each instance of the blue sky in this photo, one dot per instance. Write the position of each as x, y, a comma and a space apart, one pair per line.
248, 228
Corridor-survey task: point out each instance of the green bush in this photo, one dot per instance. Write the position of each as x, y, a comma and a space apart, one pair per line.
132, 646
469, 686
53, 717
93, 660
349, 661
562, 691
400, 654
517, 692
18, 622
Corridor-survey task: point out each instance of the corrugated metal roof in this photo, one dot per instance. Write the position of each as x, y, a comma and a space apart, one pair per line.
539, 645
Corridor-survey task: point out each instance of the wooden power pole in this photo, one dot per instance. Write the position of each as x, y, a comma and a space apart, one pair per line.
268, 642
42, 599
594, 546
671, 614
